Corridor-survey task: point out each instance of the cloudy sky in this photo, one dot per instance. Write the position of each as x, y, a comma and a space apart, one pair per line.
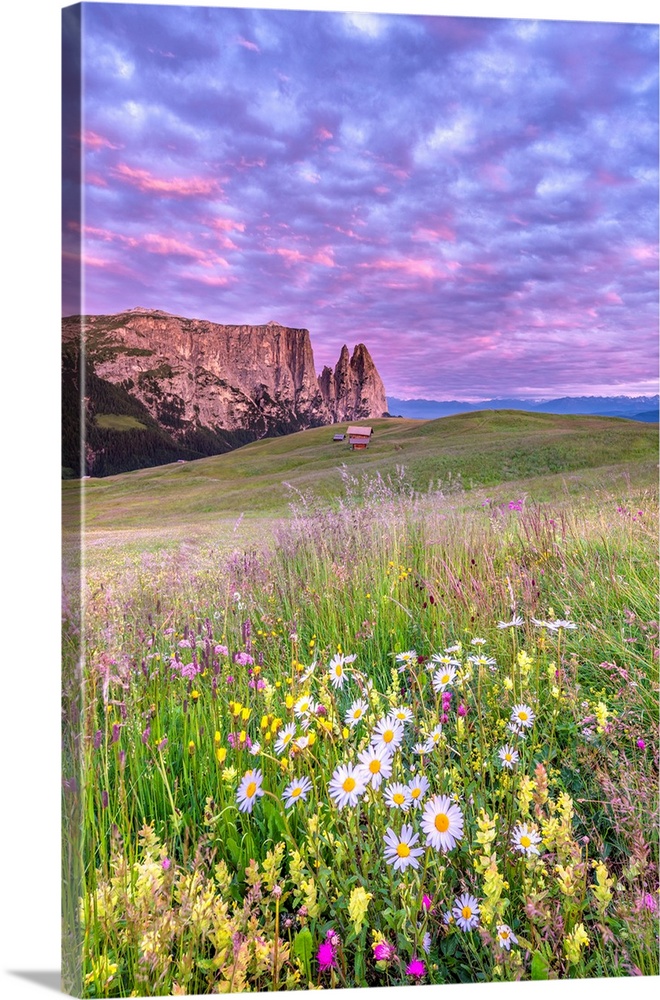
476, 200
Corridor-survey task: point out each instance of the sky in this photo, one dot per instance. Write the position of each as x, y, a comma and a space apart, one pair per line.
474, 199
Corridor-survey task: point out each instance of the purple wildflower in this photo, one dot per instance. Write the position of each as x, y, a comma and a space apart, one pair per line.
243, 659
165, 864
416, 968
462, 709
104, 799
189, 670
325, 956
98, 738
384, 952
221, 650
641, 744
116, 732
146, 734
163, 743
427, 902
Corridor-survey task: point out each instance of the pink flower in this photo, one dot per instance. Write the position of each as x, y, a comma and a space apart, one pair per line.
384, 951
165, 864
325, 956
462, 709
221, 650
641, 745
416, 968
427, 902
649, 903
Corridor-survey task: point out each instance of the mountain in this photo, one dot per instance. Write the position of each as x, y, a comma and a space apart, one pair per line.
160, 388
631, 407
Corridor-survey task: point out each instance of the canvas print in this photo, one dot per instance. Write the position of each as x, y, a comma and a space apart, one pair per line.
360, 445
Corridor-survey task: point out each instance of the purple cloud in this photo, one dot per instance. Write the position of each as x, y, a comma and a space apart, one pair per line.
474, 199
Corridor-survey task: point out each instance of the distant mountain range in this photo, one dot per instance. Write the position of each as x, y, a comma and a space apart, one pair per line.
644, 408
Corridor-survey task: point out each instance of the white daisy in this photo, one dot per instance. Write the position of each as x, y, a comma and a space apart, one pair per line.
456, 648
442, 822
308, 673
249, 790
477, 641
516, 730
483, 661
433, 739
304, 706
516, 622
356, 712
445, 660
505, 936
508, 756
407, 659
522, 716
418, 786
426, 942
255, 749
420, 748
336, 669
443, 677
296, 791
466, 912
397, 796
561, 623
402, 714
376, 764
302, 742
525, 838
388, 732
346, 785
284, 737
400, 850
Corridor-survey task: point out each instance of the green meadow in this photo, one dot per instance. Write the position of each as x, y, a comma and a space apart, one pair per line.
368, 718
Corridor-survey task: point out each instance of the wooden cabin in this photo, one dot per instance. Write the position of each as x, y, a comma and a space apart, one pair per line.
359, 437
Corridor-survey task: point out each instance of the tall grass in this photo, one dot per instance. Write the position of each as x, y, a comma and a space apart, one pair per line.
191, 660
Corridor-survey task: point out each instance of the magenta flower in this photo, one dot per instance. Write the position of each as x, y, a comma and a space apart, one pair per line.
427, 902
416, 968
325, 956
384, 952
221, 650
641, 744
243, 659
462, 709
165, 864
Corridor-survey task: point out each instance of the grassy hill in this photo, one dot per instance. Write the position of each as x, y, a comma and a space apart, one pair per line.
484, 449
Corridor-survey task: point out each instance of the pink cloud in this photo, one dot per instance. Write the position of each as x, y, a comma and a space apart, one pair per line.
613, 298
420, 268
96, 180
177, 186
645, 252
441, 232
95, 141
323, 134
252, 46
323, 256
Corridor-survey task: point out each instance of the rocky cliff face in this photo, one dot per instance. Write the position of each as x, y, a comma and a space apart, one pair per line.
195, 378
355, 389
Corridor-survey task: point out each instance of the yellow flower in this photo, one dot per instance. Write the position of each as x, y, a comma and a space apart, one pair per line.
345, 733
288, 701
221, 754
574, 943
357, 906
217, 736
245, 714
191, 748
508, 684
242, 736
194, 695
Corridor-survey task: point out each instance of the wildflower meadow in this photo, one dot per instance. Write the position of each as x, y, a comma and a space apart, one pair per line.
411, 739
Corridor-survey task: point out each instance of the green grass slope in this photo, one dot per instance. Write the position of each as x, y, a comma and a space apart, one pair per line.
485, 449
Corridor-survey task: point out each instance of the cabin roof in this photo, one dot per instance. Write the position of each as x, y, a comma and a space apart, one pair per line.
359, 431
